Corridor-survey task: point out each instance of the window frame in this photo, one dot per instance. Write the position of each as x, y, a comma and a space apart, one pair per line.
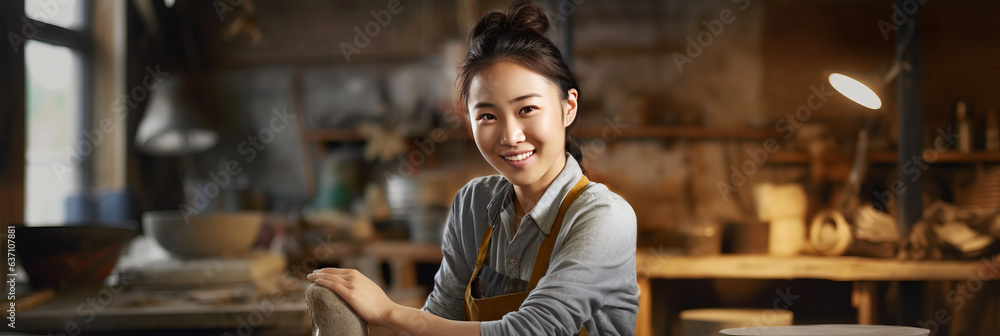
81, 42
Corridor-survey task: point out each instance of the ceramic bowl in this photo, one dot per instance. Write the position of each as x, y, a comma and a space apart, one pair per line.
206, 235
61, 257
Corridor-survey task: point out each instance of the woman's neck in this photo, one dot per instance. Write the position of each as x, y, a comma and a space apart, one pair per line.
528, 195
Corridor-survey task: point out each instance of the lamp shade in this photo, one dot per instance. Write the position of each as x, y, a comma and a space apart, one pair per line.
172, 125
856, 91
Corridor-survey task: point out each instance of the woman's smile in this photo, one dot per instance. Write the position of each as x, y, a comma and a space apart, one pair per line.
519, 160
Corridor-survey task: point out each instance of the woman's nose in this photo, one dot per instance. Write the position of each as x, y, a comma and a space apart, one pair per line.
513, 133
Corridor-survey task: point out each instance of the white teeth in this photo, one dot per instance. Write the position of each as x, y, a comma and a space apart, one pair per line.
519, 157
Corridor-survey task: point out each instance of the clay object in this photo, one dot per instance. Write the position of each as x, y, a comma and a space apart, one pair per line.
331, 315
205, 235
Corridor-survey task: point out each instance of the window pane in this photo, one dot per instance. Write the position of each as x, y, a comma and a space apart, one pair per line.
64, 13
53, 122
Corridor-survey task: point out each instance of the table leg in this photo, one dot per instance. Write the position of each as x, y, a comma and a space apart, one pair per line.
644, 321
864, 297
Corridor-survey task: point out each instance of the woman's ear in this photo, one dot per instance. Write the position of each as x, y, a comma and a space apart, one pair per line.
570, 107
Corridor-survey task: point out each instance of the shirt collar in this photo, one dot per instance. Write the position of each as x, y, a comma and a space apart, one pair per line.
544, 213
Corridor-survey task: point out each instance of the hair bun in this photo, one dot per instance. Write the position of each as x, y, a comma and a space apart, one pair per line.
520, 16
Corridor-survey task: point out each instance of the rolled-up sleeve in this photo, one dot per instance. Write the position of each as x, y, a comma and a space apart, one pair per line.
592, 269
445, 300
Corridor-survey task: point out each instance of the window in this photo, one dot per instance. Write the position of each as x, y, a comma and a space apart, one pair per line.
57, 157
67, 14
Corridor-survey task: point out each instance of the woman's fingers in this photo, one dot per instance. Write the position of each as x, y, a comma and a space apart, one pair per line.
333, 279
344, 279
333, 270
366, 297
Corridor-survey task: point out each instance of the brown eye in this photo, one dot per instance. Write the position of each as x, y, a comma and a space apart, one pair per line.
527, 109
486, 116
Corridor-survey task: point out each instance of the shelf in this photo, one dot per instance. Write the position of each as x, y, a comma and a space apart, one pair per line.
594, 52
805, 267
939, 157
665, 132
886, 157
348, 135
958, 157
682, 132
258, 58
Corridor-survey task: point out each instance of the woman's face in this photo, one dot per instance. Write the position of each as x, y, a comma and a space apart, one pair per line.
518, 122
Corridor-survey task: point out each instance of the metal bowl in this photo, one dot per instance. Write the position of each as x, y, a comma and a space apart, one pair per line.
208, 235
60, 257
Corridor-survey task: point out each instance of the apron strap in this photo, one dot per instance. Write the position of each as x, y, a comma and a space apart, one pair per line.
545, 250
481, 257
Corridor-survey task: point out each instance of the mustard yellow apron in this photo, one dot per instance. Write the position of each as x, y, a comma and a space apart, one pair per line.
494, 308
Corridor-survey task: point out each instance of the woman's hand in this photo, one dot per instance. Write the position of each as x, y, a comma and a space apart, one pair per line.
367, 298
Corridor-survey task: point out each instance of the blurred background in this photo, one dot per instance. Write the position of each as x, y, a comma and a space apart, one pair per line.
232, 146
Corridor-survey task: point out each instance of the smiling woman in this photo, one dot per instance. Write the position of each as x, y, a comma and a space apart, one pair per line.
562, 258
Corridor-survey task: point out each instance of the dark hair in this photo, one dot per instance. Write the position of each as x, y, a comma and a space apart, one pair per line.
518, 36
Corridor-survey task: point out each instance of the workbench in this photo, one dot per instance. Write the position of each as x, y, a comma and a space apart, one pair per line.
864, 273
119, 311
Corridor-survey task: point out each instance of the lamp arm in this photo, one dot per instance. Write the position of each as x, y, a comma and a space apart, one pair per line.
860, 164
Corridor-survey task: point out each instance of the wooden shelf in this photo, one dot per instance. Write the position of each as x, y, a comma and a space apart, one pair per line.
667, 132
940, 157
256, 58
958, 157
885, 157
592, 52
805, 267
347, 135
682, 132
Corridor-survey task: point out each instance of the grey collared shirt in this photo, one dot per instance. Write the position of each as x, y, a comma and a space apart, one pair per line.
591, 280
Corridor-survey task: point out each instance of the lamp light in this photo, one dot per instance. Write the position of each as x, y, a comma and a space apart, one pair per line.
855, 90
863, 94
172, 125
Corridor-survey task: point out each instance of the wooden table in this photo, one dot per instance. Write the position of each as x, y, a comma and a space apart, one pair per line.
863, 272
110, 310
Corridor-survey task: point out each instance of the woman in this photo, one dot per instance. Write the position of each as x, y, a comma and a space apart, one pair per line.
538, 249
